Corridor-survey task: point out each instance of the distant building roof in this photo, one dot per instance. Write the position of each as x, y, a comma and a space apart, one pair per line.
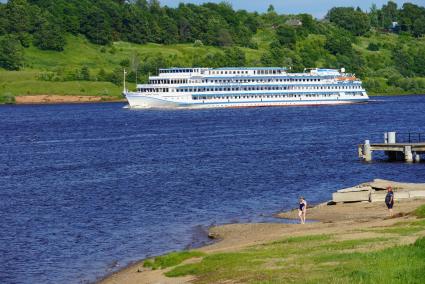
294, 22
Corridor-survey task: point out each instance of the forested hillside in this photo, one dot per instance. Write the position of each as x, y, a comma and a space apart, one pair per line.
81, 46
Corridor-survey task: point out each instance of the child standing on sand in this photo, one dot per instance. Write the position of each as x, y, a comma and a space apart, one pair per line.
302, 209
389, 200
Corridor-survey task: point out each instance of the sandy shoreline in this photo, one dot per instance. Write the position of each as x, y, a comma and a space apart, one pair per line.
62, 99
342, 220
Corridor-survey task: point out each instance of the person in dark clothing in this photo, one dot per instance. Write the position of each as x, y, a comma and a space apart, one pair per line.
389, 200
302, 209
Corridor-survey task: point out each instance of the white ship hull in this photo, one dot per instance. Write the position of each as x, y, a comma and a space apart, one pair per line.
136, 100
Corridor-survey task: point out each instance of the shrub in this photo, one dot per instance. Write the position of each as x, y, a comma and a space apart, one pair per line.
198, 43
7, 98
373, 46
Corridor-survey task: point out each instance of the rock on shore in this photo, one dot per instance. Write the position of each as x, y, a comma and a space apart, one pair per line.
375, 191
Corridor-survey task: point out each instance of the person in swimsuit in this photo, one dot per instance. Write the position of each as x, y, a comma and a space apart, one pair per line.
302, 209
389, 200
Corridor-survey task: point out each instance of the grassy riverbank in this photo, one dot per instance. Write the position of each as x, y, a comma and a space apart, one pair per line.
361, 249
86, 69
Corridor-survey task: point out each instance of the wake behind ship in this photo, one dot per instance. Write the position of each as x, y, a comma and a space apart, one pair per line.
246, 87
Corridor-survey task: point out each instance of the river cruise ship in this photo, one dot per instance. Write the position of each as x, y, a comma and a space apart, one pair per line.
246, 87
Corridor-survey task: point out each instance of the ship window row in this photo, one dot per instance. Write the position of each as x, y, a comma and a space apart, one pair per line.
153, 90
184, 70
261, 80
266, 88
236, 72
168, 81
275, 96
222, 72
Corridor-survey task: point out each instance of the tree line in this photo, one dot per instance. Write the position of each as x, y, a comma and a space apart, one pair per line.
44, 22
295, 41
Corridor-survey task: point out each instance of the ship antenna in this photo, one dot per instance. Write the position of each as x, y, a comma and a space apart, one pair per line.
124, 90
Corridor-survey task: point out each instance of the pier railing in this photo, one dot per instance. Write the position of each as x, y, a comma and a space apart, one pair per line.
410, 137
400, 137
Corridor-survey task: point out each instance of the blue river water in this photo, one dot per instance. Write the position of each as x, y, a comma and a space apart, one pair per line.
86, 189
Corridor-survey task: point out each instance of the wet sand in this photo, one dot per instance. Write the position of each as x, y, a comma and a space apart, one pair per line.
342, 220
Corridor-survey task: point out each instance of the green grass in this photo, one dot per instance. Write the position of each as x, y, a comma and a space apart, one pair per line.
33, 87
303, 239
21, 83
320, 259
403, 264
420, 212
314, 263
404, 229
79, 52
171, 259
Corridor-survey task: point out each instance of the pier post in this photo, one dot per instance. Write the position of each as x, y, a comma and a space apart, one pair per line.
367, 151
408, 156
391, 136
417, 158
360, 150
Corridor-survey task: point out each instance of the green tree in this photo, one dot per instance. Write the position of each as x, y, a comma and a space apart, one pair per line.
338, 43
95, 25
25, 39
102, 76
85, 73
3, 20
308, 22
350, 19
418, 28
270, 9
311, 50
409, 16
169, 31
286, 36
18, 16
388, 14
116, 77
374, 16
11, 53
235, 57
49, 37
404, 60
418, 53
224, 38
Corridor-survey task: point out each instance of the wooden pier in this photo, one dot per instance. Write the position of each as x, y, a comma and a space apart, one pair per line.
409, 151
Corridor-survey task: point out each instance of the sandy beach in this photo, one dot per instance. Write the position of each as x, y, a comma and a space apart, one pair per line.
344, 221
60, 99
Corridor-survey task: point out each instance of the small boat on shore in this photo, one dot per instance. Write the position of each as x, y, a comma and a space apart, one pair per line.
246, 87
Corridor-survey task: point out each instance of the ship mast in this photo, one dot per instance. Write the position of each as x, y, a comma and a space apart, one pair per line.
124, 89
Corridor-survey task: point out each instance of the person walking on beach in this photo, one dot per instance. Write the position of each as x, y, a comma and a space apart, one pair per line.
302, 209
389, 200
